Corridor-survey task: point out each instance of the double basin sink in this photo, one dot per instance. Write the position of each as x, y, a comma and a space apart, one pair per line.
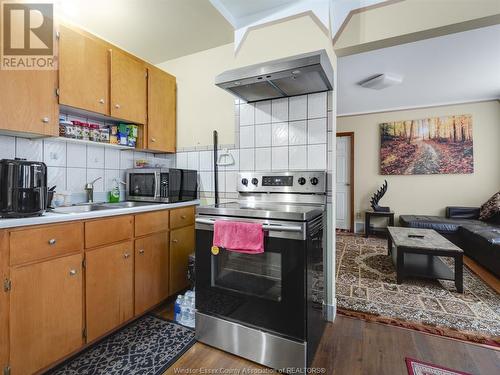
88, 207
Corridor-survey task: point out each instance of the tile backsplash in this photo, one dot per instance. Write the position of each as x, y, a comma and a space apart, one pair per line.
274, 135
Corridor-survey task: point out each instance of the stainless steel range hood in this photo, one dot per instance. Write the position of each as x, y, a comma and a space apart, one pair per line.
296, 75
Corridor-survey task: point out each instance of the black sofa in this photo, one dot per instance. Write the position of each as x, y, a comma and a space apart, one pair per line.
479, 240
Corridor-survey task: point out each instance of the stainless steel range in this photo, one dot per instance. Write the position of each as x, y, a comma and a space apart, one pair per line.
266, 307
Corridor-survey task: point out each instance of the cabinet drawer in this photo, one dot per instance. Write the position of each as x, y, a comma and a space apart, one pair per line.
151, 222
181, 217
27, 245
106, 231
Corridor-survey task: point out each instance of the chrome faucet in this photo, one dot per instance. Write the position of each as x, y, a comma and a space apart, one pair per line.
89, 189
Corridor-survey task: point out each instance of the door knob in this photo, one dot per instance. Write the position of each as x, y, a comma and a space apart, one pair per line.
117, 106
101, 101
45, 120
72, 272
52, 241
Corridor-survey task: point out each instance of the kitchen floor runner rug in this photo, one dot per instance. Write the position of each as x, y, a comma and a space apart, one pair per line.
149, 345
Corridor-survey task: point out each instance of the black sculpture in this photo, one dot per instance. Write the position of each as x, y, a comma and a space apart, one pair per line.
377, 197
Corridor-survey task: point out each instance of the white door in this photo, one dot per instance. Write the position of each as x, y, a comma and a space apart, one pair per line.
343, 192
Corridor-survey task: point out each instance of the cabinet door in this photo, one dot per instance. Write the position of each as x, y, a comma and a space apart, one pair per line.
83, 72
46, 313
109, 288
151, 271
128, 88
181, 245
161, 111
28, 102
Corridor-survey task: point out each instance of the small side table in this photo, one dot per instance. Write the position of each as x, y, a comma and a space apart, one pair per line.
369, 214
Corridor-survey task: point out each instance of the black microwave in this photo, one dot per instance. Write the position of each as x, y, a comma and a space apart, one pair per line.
163, 185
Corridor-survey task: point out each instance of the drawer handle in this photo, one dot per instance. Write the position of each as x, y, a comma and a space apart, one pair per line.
126, 255
153, 139
101, 101
117, 106
72, 272
141, 251
52, 241
183, 216
175, 241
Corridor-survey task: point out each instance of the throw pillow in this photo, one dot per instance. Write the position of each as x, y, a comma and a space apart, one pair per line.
491, 208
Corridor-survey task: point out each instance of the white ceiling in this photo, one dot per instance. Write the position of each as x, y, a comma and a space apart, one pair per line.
155, 30
455, 68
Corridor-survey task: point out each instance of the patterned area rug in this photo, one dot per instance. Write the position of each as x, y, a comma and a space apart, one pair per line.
367, 288
149, 345
423, 368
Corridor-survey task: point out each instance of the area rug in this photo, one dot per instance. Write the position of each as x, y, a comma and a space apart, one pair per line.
366, 288
416, 367
148, 345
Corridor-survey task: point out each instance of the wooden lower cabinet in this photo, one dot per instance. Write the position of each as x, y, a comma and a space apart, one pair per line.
181, 245
46, 313
151, 271
109, 287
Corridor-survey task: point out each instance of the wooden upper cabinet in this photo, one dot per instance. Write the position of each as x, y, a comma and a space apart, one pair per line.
128, 88
161, 111
28, 101
46, 313
83, 72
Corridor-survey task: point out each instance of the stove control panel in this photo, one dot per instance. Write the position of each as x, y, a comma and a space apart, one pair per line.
283, 182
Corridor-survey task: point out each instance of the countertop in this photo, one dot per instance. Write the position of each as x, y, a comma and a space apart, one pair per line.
51, 217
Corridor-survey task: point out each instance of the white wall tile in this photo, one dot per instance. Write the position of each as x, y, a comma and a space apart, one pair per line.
109, 175
76, 179
279, 158
182, 160
316, 131
206, 181
279, 110
298, 157
330, 100
330, 120
247, 137
247, 114
7, 147
126, 159
236, 157
111, 158
297, 132
54, 153
316, 157
263, 112
92, 174
263, 135
29, 149
206, 160
221, 181
95, 156
194, 160
231, 178
298, 108
316, 105
76, 155
247, 159
139, 155
280, 134
263, 159
56, 176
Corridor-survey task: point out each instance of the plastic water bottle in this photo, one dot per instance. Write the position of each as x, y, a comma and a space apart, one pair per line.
177, 308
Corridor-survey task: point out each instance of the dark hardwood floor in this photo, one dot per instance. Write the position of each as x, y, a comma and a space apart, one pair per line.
351, 346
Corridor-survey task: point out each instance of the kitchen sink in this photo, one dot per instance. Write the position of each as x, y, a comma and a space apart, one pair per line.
79, 208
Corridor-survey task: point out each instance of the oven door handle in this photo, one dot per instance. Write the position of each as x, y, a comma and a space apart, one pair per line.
275, 227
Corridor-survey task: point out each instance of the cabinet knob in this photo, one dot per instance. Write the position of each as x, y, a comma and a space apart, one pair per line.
126, 255
153, 139
101, 101
45, 120
175, 241
52, 241
183, 217
117, 106
73, 272
141, 251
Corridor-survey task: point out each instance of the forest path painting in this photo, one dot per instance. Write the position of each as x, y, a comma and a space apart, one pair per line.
439, 145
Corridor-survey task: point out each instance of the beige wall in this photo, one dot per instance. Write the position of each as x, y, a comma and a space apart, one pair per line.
427, 194
410, 20
203, 107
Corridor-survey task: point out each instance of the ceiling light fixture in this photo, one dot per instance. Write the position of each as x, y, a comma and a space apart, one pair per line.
381, 81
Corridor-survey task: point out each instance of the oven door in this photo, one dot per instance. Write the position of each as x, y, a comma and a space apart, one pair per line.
264, 291
142, 185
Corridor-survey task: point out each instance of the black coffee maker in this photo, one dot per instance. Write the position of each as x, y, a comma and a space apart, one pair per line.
23, 188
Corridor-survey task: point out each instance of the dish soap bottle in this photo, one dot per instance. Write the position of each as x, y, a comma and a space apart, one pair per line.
114, 194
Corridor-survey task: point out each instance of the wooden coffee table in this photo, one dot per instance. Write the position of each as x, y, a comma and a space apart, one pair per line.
415, 253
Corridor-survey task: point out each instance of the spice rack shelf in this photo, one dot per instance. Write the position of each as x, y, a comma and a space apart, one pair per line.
85, 142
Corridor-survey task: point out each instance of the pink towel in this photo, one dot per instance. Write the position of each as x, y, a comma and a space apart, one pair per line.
239, 236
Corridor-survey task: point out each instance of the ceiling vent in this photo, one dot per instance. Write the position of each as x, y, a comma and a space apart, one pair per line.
381, 81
